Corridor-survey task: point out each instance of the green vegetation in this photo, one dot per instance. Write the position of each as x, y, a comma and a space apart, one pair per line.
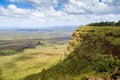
95, 53
105, 24
108, 64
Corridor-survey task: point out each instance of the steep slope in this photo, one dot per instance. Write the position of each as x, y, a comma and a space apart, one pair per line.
106, 38
94, 53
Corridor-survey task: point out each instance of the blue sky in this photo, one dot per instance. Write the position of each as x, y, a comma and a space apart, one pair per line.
45, 13
5, 3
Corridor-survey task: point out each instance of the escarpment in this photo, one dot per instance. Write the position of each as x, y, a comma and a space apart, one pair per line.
106, 38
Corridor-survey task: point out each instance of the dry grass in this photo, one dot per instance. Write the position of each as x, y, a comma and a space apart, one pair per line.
15, 67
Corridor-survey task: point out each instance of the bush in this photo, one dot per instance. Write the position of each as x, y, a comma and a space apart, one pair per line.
84, 78
108, 64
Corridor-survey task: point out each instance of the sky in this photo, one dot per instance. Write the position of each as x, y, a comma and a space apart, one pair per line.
46, 13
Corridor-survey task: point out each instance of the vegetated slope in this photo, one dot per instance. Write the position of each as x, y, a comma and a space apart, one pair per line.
95, 53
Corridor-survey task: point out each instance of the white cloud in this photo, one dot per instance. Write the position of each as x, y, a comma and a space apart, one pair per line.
75, 12
38, 14
75, 7
13, 11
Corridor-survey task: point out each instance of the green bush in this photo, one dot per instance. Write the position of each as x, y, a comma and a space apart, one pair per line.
104, 63
84, 78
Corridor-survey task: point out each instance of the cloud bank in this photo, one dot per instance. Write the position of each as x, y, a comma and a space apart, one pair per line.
44, 13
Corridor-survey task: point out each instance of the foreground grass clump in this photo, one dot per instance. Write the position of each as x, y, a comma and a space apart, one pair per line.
95, 52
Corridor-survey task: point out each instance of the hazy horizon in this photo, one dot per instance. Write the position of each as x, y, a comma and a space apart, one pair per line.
45, 27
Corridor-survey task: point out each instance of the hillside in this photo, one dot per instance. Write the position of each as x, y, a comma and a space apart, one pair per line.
94, 54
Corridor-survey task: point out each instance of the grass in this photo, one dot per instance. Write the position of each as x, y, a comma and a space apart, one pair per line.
30, 61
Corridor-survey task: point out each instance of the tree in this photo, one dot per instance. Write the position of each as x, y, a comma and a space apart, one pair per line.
105, 23
118, 23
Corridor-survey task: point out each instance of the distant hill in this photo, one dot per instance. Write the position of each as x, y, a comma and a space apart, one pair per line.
94, 55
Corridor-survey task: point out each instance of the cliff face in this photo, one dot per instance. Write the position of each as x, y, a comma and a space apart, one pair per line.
106, 39
94, 53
